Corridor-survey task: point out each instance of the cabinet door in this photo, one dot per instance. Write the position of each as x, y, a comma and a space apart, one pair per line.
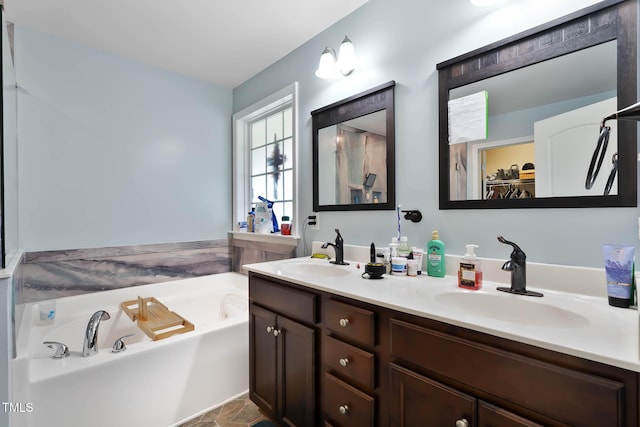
420, 401
297, 363
492, 416
262, 360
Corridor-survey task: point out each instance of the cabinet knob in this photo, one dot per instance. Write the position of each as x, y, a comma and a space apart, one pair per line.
343, 409
344, 322
344, 361
462, 423
276, 332
269, 329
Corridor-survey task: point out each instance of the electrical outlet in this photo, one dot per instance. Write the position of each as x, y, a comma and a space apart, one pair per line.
314, 221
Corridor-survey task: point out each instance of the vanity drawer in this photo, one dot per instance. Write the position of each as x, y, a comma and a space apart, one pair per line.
349, 361
284, 300
352, 322
345, 405
563, 394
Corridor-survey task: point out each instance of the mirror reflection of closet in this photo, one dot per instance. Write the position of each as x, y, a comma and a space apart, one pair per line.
503, 177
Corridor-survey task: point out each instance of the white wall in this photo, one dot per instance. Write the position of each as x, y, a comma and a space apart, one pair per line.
113, 152
404, 42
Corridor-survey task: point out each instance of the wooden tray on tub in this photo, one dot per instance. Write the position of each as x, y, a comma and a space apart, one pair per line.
155, 319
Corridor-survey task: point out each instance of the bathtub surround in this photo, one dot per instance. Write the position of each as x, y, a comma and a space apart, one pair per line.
249, 248
56, 274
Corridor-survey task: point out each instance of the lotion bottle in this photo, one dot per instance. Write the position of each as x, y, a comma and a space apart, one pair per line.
435, 256
470, 272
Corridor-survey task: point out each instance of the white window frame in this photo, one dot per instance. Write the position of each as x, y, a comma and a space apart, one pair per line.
287, 96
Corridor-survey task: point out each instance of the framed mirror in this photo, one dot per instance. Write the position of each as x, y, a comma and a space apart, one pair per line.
519, 119
354, 152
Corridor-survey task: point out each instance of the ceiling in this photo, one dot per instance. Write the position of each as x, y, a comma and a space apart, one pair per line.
224, 42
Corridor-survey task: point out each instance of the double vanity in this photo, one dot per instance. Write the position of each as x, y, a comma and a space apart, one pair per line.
328, 347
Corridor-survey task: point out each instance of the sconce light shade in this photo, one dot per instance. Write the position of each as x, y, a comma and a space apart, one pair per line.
346, 57
327, 66
331, 67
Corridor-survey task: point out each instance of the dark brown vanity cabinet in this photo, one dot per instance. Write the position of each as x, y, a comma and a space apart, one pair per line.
321, 359
282, 352
450, 379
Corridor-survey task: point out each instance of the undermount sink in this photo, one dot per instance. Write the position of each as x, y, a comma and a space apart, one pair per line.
311, 267
512, 308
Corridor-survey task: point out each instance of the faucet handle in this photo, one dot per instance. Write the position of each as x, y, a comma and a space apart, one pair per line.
61, 350
119, 346
517, 252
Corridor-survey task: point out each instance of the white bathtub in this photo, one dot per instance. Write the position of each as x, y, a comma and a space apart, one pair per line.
152, 383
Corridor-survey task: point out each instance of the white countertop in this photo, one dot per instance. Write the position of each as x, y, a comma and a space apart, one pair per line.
581, 325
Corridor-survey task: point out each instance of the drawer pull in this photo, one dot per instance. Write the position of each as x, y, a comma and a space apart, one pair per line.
343, 409
344, 362
344, 322
462, 423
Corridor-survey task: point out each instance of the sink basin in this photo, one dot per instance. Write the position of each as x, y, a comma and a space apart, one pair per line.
513, 309
315, 268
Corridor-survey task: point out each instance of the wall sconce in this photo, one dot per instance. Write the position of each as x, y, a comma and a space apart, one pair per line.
331, 67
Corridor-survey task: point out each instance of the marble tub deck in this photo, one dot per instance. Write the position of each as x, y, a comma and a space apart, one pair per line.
57, 274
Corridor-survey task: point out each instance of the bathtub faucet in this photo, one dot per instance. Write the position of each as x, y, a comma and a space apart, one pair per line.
90, 346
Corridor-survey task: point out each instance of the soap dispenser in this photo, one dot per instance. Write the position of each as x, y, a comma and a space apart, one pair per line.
470, 272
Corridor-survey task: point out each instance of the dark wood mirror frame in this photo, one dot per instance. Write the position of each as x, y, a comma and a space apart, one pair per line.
367, 102
600, 23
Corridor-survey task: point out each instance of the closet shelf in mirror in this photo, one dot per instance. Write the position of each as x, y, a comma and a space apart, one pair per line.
511, 181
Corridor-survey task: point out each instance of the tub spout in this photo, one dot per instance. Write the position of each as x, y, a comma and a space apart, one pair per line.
90, 346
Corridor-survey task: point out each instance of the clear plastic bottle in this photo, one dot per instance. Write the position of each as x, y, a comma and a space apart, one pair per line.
393, 247
250, 223
404, 249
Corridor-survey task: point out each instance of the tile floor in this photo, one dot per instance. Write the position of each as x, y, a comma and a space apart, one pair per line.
240, 412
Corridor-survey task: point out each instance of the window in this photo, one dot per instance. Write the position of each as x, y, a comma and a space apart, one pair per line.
265, 155
271, 142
